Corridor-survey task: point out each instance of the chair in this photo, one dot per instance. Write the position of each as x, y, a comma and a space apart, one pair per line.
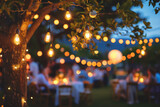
44, 94
153, 90
87, 94
132, 86
65, 91
114, 85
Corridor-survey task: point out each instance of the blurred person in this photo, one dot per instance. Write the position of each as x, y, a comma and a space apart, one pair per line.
75, 67
70, 74
47, 71
131, 89
34, 68
98, 77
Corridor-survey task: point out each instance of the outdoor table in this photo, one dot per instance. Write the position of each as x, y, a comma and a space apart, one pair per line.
77, 88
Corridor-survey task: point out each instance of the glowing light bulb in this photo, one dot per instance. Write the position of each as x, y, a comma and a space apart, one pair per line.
121, 41
83, 62
96, 51
89, 63
145, 41
151, 40
68, 15
28, 57
47, 37
140, 42
56, 22
65, 26
138, 51
105, 38
99, 64
90, 74
72, 57
132, 54
157, 40
39, 53
17, 39
87, 35
113, 40
133, 42
104, 62
50, 52
143, 52
36, 16
98, 37
62, 61
47, 17
78, 72
57, 46
77, 59
127, 42
0, 50
94, 63
123, 58
66, 53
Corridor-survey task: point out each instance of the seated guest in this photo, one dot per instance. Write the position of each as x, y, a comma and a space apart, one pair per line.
70, 74
131, 89
42, 80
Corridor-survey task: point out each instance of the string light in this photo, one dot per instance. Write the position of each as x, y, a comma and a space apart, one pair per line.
105, 38
57, 46
140, 42
56, 22
123, 58
90, 74
47, 17
94, 63
77, 59
99, 64
72, 57
65, 26
151, 40
36, 16
87, 35
31, 98
62, 49
138, 51
47, 37
66, 53
28, 57
0, 50
127, 42
157, 40
17, 39
1, 56
145, 41
133, 42
39, 53
121, 41
96, 51
129, 56
149, 44
83, 62
143, 52
144, 47
62, 61
98, 37
68, 15
51, 52
104, 62
73, 39
93, 14
132, 54
27, 77
27, 50
78, 72
113, 40
9, 88
89, 63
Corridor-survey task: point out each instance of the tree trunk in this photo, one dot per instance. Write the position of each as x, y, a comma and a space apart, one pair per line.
15, 78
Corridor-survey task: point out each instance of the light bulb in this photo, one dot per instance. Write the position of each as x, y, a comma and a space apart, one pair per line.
39, 53
36, 16
105, 38
56, 22
68, 15
50, 52
87, 35
143, 52
47, 37
47, 17
17, 39
65, 26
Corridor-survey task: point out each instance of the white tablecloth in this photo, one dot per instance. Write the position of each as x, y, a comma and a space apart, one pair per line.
78, 87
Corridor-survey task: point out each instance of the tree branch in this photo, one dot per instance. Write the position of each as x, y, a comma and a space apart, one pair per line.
42, 12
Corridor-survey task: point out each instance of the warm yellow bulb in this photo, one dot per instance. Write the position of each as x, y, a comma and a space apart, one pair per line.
90, 74
133, 42
113, 40
57, 46
96, 51
143, 52
87, 35
145, 41
140, 42
62, 61
157, 40
36, 16
28, 57
68, 15
66, 53
104, 62
94, 63
78, 72
105, 38
50, 52
99, 64
47, 17
47, 37
17, 39
65, 26
98, 37
72, 57
150, 40
89, 63
56, 22
123, 58
121, 41
77, 59
39, 53
132, 54
127, 42
0, 50
83, 62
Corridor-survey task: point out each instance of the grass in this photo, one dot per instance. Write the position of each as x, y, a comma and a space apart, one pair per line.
102, 97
